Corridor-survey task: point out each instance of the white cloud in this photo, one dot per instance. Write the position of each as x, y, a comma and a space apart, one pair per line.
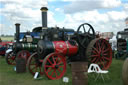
4, 31
114, 15
26, 3
26, 12
10, 1
1, 26
18, 13
86, 5
111, 21
51, 20
111, 3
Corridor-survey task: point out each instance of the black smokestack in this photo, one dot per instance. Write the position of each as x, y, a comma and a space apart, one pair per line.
17, 32
44, 16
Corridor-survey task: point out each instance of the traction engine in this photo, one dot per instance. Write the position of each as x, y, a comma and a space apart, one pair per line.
25, 44
58, 45
122, 44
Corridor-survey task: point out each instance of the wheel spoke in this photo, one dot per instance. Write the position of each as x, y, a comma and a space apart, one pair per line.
102, 62
94, 55
61, 66
84, 29
56, 59
89, 31
49, 61
59, 70
94, 52
56, 74
99, 47
53, 60
102, 45
49, 70
53, 73
83, 41
94, 59
103, 48
106, 50
97, 60
106, 58
95, 49
60, 62
105, 54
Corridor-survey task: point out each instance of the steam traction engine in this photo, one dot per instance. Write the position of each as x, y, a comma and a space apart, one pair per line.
122, 44
26, 43
4, 46
59, 44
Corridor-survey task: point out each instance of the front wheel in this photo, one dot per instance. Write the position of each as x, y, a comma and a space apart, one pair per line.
10, 58
54, 66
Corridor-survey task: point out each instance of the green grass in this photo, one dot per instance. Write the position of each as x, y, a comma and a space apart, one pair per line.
115, 75
7, 38
9, 77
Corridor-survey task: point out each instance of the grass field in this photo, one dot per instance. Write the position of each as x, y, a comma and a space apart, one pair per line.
7, 38
115, 74
9, 77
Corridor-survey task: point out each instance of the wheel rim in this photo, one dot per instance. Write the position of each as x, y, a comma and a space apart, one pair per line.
11, 58
23, 54
99, 51
33, 66
54, 66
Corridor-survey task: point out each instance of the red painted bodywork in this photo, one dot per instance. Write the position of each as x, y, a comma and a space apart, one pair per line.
3, 47
65, 48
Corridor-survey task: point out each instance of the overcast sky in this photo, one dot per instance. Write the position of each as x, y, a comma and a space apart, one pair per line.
103, 15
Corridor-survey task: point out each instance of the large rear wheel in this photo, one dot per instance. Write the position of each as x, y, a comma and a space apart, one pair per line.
99, 51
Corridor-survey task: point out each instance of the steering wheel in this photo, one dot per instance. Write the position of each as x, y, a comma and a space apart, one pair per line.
86, 35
